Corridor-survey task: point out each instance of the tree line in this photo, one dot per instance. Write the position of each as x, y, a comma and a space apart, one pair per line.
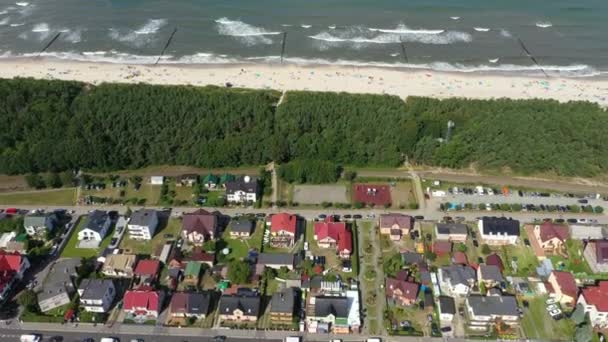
55, 126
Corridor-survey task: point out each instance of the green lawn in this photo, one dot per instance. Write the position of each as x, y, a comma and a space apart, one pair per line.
151, 193
45, 197
526, 259
538, 324
575, 262
173, 227
71, 249
51, 316
239, 248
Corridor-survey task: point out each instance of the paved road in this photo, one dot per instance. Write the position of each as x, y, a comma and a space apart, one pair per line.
13, 336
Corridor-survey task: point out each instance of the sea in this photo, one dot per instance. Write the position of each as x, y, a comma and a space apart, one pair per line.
558, 37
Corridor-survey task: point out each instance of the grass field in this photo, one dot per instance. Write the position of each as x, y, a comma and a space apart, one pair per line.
173, 227
71, 249
150, 192
239, 248
538, 325
44, 197
575, 262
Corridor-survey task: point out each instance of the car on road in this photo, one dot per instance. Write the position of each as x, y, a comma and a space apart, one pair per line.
137, 340
357, 216
31, 338
572, 220
113, 242
219, 338
322, 216
419, 217
583, 201
446, 329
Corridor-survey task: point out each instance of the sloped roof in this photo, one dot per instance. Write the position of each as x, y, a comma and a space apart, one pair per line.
96, 220
249, 305
447, 305
275, 259
337, 231
548, 231
143, 217
200, 221
494, 259
284, 221
490, 272
597, 295
408, 289
193, 269
452, 228
458, 274
242, 225
136, 299
601, 251
500, 226
147, 267
10, 262
326, 305
94, 288
40, 220
493, 305
566, 282
192, 303
460, 258
283, 301
401, 220
251, 186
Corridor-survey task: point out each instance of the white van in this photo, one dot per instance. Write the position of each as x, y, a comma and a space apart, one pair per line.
30, 338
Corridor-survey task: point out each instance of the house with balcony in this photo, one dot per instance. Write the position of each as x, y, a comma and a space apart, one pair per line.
96, 226
454, 232
244, 189
562, 287
396, 226
119, 265
142, 224
236, 309
337, 235
486, 311
499, 231
283, 230
199, 226
96, 295
142, 305
456, 280
189, 305
282, 306
58, 286
594, 300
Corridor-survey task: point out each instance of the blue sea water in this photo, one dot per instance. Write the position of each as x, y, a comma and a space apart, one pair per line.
567, 37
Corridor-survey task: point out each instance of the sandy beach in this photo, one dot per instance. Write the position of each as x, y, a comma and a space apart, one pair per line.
402, 83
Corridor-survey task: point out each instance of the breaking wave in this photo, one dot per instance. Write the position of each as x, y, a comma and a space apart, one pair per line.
5, 21
505, 33
140, 36
245, 33
42, 27
22, 4
72, 36
543, 24
113, 56
358, 37
481, 29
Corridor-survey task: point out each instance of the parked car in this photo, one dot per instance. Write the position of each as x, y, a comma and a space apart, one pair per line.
550, 301
419, 217
357, 216
552, 307
583, 201
475, 243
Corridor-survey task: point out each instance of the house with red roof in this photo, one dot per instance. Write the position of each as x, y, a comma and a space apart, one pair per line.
395, 225
147, 271
372, 194
495, 260
142, 305
199, 226
12, 268
460, 258
401, 291
594, 300
563, 287
441, 248
283, 230
596, 254
337, 235
551, 238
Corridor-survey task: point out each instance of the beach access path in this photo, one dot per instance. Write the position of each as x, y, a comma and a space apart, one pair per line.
351, 79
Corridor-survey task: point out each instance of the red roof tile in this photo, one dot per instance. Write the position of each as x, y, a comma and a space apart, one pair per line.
10, 262
494, 259
284, 222
337, 231
548, 231
597, 295
442, 247
400, 220
345, 241
408, 289
200, 221
460, 258
141, 300
147, 267
566, 282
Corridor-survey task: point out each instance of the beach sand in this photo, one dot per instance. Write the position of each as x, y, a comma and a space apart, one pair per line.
402, 83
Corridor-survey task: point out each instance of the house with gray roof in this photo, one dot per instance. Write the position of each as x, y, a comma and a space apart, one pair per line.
456, 280
239, 309
40, 223
451, 231
189, 305
276, 260
490, 275
241, 228
485, 310
282, 306
242, 190
96, 295
96, 226
328, 314
142, 224
58, 286
447, 308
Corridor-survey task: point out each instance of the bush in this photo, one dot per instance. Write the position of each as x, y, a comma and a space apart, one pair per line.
485, 249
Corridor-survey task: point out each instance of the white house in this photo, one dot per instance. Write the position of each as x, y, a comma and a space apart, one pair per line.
142, 224
157, 180
594, 300
96, 226
242, 190
498, 231
39, 223
456, 280
96, 295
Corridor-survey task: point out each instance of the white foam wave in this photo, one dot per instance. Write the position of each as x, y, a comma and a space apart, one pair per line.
112, 56
16, 24
543, 24
140, 36
357, 37
286, 25
394, 54
42, 27
455, 18
402, 29
306, 26
5, 21
505, 33
494, 60
331, 27
22, 4
72, 36
3, 12
152, 26
246, 33
481, 29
